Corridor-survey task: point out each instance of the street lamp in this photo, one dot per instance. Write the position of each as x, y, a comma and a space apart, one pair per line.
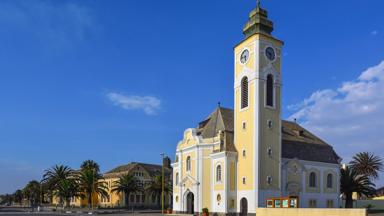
162, 183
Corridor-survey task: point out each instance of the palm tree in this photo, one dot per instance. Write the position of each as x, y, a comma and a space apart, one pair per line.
54, 177
352, 182
155, 188
126, 184
56, 174
90, 183
18, 196
91, 165
366, 163
66, 189
32, 192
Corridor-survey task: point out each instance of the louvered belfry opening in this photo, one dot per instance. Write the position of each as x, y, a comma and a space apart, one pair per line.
270, 90
244, 92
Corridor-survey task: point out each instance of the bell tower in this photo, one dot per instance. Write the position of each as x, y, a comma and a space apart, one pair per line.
257, 91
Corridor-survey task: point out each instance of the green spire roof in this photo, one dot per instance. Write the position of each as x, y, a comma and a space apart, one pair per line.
258, 22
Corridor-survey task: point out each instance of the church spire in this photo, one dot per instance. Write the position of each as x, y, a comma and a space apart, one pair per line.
258, 22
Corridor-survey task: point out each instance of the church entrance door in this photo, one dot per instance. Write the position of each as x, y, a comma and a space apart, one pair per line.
190, 203
243, 207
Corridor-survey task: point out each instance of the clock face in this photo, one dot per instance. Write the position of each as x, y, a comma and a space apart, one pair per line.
244, 56
270, 53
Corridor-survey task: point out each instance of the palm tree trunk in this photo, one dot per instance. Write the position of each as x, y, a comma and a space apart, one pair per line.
126, 200
90, 200
349, 201
158, 200
67, 202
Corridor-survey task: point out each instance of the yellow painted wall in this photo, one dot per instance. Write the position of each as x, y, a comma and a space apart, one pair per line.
232, 177
207, 176
309, 212
244, 140
379, 198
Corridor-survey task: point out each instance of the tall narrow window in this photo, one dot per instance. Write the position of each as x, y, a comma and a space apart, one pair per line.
312, 179
270, 92
244, 93
218, 173
188, 163
329, 181
177, 179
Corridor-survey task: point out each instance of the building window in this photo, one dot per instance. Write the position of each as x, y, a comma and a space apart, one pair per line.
244, 153
138, 198
269, 179
329, 181
270, 124
269, 151
143, 198
218, 198
330, 204
132, 198
244, 182
232, 205
312, 180
244, 93
177, 179
177, 198
312, 203
188, 163
218, 173
244, 125
270, 90
153, 198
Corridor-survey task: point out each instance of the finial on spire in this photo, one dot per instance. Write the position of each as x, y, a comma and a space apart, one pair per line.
258, 3
219, 104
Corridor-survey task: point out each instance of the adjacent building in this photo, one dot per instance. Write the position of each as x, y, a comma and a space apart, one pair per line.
144, 173
236, 159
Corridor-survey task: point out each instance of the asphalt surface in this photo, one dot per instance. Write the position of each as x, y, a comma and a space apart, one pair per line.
19, 211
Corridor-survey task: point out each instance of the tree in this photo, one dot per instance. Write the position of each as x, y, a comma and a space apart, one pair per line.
54, 177
126, 184
90, 165
155, 188
32, 192
66, 189
56, 174
18, 196
90, 183
352, 182
368, 164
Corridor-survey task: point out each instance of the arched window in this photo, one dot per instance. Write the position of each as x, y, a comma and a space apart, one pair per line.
244, 92
312, 179
218, 173
329, 181
177, 179
188, 163
270, 90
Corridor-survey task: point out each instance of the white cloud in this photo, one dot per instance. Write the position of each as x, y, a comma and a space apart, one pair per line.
374, 32
351, 118
149, 104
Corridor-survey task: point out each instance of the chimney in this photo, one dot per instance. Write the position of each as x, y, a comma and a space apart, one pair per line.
167, 162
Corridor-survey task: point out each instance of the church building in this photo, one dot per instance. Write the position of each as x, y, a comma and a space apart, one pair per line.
237, 159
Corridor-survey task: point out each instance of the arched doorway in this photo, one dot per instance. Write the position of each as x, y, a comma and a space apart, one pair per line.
243, 207
190, 203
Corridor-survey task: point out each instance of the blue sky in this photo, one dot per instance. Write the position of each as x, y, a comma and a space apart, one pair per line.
120, 81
